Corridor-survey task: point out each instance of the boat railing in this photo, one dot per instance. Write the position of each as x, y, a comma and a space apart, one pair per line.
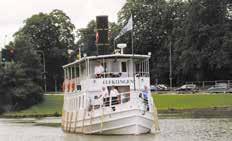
119, 74
81, 101
110, 75
142, 74
122, 98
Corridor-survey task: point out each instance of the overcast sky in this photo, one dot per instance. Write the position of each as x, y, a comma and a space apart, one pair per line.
14, 12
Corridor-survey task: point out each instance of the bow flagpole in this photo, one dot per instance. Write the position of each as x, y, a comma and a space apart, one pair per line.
125, 29
132, 50
132, 36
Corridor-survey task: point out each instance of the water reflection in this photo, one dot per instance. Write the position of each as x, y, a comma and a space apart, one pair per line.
171, 130
149, 137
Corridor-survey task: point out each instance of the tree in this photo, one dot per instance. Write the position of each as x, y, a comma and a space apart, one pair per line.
87, 38
53, 34
21, 78
153, 30
17, 90
197, 31
205, 51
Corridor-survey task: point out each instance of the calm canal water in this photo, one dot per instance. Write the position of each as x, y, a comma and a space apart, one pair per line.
213, 129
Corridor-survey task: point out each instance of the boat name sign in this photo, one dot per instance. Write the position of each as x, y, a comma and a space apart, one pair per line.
117, 81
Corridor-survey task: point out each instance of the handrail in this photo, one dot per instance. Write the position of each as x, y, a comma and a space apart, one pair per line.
107, 75
121, 99
141, 74
108, 101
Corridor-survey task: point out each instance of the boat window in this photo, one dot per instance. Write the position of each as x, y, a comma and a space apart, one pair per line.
65, 75
115, 66
83, 70
76, 69
137, 67
73, 72
124, 67
68, 73
78, 87
105, 67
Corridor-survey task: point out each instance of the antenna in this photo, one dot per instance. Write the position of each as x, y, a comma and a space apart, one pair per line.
121, 46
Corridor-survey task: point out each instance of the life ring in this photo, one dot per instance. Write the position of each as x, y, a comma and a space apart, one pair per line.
68, 85
73, 87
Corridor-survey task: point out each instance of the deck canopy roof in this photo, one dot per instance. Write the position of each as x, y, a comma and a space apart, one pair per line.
135, 56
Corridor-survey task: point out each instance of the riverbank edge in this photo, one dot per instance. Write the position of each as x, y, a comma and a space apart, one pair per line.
213, 112
163, 113
33, 115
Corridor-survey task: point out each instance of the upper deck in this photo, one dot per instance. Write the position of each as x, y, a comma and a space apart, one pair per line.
110, 56
113, 66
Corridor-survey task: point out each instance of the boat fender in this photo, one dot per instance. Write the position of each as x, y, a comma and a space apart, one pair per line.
63, 87
68, 85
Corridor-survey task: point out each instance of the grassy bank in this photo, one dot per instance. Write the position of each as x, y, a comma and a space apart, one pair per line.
51, 106
166, 103
194, 106
193, 101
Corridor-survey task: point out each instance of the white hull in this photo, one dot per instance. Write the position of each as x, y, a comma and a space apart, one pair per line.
118, 123
108, 94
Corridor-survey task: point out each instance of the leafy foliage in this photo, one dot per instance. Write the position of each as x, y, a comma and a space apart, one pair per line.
17, 89
53, 34
21, 80
87, 38
198, 33
204, 48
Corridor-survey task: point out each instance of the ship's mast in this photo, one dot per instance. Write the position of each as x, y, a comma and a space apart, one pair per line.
132, 48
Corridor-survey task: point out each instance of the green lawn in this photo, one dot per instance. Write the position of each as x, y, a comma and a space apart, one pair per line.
52, 105
193, 101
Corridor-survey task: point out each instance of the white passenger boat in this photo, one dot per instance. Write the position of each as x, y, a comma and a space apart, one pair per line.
108, 94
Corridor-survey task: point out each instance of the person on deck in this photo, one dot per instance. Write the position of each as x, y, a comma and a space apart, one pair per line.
114, 94
145, 97
106, 96
98, 101
101, 98
99, 69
